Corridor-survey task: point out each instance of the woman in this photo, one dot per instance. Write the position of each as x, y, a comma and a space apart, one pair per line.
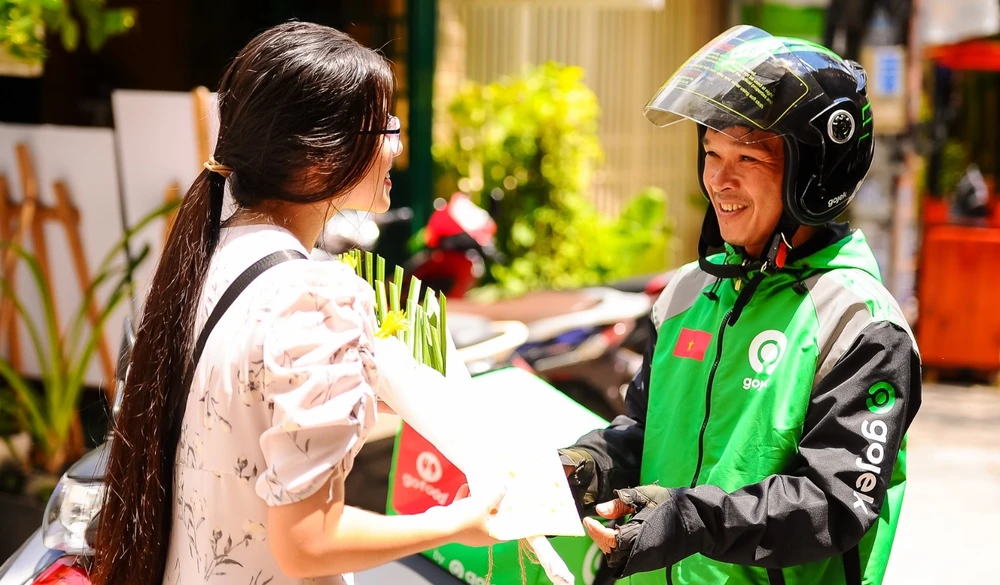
283, 395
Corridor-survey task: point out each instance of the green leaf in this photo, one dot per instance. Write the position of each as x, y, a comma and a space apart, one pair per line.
413, 295
52, 5
36, 340
56, 372
398, 279
381, 306
82, 314
411, 329
118, 21
70, 35
522, 235
26, 397
121, 291
443, 329
394, 293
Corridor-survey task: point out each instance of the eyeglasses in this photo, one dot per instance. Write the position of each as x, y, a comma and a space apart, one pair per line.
392, 132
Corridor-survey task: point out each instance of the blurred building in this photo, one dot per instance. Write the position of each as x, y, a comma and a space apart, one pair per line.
178, 45
627, 48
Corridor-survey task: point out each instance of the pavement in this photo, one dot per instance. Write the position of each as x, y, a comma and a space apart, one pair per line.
949, 527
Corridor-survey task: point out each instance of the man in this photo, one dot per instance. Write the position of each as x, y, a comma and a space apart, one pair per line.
766, 430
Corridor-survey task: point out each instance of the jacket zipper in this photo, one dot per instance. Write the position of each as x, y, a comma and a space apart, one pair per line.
708, 398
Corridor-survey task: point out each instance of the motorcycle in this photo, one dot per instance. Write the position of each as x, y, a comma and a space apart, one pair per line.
577, 339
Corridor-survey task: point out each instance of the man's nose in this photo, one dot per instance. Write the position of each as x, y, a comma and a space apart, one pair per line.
722, 177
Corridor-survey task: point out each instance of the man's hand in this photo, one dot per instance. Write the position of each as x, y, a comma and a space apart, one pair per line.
581, 472
606, 538
617, 543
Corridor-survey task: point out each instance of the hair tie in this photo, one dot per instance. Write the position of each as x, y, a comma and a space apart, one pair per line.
215, 166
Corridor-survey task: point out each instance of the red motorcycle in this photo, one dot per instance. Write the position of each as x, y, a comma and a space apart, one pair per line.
578, 340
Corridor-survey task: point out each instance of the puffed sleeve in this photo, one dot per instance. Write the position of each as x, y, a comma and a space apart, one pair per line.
318, 379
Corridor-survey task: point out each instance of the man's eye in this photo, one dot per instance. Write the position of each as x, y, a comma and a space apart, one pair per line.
745, 158
711, 154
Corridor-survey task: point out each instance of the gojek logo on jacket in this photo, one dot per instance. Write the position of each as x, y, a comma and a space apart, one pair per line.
881, 400
765, 352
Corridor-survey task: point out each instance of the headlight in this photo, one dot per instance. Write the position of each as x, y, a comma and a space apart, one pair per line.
71, 516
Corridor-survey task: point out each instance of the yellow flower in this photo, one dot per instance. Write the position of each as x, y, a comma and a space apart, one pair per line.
394, 322
349, 260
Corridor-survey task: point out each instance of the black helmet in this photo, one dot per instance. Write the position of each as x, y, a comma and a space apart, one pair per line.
746, 78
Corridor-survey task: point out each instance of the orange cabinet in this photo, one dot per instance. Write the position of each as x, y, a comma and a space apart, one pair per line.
959, 295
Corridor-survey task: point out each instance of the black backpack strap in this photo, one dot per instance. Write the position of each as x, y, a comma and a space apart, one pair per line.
176, 407
852, 567
775, 577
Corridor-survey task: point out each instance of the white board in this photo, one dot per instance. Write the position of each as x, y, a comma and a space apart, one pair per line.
942, 22
84, 159
157, 145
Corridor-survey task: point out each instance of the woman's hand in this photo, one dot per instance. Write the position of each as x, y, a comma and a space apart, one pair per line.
384, 408
471, 516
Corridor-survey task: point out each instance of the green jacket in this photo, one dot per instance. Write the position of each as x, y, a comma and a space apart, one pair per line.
781, 433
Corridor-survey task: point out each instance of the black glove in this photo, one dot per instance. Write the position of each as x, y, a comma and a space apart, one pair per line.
583, 478
643, 501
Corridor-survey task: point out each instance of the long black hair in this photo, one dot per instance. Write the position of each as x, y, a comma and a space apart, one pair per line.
300, 109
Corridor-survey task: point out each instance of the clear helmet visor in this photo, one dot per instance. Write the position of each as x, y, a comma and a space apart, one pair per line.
748, 84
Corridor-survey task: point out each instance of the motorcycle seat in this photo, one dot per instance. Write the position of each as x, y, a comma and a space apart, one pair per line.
529, 308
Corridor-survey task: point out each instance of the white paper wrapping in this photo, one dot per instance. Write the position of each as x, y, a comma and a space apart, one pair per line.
483, 437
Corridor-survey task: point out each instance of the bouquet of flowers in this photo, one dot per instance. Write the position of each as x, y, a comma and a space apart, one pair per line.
422, 327
424, 382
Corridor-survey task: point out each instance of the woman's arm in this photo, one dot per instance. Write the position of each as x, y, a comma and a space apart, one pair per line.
321, 536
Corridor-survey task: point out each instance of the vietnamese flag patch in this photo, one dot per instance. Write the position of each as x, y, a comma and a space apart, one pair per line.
692, 344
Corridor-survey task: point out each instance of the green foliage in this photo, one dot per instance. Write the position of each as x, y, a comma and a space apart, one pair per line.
47, 412
24, 25
954, 162
585, 248
526, 148
10, 423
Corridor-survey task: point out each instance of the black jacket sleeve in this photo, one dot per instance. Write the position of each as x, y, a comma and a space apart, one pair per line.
616, 451
856, 420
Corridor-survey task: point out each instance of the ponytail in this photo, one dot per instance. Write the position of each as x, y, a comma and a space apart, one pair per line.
133, 535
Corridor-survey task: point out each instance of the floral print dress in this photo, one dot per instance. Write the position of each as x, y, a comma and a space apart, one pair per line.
281, 402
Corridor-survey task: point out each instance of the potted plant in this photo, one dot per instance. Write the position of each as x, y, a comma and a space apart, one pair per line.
38, 417
526, 148
25, 24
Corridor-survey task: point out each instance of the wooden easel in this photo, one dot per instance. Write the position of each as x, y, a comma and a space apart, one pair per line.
202, 98
173, 193
25, 214
33, 216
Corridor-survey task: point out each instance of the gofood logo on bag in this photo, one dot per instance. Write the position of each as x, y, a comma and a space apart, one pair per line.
423, 477
429, 471
429, 467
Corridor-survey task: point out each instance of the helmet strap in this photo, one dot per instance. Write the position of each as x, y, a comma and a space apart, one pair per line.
711, 237
776, 253
772, 260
